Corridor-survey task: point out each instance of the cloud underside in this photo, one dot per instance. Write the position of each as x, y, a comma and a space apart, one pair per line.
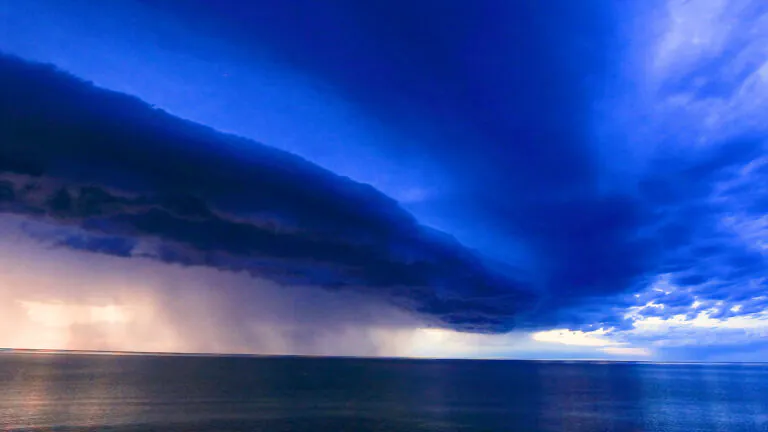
102, 172
57, 298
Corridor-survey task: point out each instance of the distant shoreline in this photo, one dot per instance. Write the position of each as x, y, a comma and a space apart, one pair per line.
18, 351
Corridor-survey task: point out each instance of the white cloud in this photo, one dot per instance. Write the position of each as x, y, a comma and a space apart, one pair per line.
709, 44
695, 28
752, 231
635, 311
702, 329
597, 339
574, 337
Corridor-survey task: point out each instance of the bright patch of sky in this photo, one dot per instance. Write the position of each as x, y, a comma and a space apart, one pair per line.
712, 62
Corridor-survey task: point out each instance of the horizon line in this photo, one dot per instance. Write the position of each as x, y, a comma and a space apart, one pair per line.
313, 356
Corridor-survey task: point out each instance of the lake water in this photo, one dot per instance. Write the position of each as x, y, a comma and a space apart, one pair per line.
40, 392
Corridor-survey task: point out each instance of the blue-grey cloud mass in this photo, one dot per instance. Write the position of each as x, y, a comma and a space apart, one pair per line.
122, 172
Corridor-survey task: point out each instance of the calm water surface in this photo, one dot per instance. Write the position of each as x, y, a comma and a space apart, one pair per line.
125, 393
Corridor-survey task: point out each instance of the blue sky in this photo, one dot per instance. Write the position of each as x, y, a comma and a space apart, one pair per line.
604, 164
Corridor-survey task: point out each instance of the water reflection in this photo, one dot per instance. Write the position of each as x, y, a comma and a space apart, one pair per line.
579, 397
46, 392
712, 398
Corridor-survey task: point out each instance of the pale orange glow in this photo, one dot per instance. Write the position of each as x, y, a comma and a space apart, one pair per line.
64, 299
64, 315
60, 299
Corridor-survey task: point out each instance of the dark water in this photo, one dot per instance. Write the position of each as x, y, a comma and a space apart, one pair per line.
120, 393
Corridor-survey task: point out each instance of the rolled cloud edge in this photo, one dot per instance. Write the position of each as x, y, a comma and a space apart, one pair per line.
116, 174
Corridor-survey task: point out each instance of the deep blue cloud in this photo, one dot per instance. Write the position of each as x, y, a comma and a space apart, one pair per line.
119, 171
699, 248
498, 93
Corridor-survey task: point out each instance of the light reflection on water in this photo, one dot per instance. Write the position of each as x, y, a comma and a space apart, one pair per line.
56, 392
46, 391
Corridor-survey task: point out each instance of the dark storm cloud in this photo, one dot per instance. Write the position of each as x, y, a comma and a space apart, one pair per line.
499, 95
114, 173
